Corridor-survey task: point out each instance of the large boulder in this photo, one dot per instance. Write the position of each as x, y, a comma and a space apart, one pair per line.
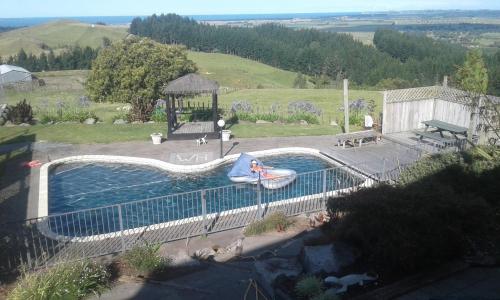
327, 258
262, 122
119, 122
271, 269
90, 121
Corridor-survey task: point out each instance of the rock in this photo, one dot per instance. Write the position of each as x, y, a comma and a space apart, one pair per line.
9, 124
303, 122
205, 253
49, 123
120, 121
333, 123
24, 125
262, 122
137, 122
150, 122
327, 258
90, 121
277, 122
276, 267
290, 249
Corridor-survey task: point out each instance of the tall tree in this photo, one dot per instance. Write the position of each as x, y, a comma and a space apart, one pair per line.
136, 68
473, 78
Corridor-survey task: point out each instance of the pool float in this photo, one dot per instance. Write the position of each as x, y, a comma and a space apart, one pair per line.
271, 179
32, 164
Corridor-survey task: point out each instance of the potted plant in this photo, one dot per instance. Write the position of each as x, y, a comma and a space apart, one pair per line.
156, 137
226, 135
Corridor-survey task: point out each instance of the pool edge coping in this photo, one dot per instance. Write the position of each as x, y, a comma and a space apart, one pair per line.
43, 195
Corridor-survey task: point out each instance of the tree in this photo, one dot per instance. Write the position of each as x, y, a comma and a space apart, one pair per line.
300, 81
136, 68
473, 78
473, 75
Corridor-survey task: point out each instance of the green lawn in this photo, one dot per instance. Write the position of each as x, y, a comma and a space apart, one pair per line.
108, 133
275, 130
80, 133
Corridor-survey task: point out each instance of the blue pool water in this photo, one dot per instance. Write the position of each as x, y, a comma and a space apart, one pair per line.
77, 186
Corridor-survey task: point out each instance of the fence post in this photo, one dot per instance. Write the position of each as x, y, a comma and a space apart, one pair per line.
204, 212
120, 222
383, 170
324, 186
259, 200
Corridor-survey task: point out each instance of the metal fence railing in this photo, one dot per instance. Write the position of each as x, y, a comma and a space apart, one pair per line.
105, 230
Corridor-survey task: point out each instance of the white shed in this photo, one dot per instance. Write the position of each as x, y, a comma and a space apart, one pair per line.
12, 74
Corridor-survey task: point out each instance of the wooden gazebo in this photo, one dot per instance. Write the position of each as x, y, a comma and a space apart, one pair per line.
191, 120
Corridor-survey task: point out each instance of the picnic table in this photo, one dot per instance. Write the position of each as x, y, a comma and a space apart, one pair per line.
437, 134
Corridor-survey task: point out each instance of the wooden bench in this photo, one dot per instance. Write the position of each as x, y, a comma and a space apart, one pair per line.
436, 138
356, 137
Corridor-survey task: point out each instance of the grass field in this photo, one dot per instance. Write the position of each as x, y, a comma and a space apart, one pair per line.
68, 87
236, 72
57, 35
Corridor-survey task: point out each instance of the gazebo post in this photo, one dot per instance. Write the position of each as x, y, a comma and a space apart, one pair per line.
169, 117
215, 110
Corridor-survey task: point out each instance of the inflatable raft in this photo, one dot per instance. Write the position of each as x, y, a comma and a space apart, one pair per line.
269, 178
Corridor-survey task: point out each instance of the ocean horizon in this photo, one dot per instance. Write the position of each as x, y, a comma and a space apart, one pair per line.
122, 20
125, 20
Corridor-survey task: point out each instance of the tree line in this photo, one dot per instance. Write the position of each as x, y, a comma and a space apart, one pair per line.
316, 53
75, 58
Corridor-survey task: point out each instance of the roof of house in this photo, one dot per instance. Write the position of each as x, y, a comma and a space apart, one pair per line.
191, 84
7, 68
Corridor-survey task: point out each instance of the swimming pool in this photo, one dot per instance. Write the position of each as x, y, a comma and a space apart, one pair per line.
147, 195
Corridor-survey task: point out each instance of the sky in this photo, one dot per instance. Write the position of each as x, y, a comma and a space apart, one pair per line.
68, 8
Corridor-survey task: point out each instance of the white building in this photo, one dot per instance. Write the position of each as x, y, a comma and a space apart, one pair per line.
12, 74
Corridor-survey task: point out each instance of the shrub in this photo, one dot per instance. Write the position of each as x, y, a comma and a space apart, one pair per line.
241, 106
274, 221
123, 116
303, 107
66, 281
405, 229
309, 287
66, 115
145, 259
141, 110
294, 118
159, 115
21, 113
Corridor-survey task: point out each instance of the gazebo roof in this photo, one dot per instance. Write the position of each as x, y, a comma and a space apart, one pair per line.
191, 84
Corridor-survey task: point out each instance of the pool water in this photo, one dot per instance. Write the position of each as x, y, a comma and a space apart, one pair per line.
78, 186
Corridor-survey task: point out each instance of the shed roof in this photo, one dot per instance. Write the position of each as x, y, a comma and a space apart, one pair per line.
191, 84
7, 68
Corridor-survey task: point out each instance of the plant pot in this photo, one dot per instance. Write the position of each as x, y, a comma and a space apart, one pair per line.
226, 135
156, 137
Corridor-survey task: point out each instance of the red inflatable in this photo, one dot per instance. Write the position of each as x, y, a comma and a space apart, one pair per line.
32, 164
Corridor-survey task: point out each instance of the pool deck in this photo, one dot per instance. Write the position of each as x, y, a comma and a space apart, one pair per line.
370, 158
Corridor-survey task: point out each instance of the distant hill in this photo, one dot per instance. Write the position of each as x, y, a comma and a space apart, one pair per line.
237, 72
57, 35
